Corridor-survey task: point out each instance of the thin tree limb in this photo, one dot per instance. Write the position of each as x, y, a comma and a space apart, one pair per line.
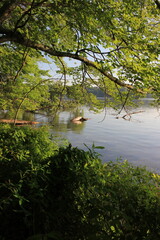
25, 96
22, 64
157, 3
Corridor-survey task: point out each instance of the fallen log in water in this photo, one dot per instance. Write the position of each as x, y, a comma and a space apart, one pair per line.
79, 120
127, 116
18, 122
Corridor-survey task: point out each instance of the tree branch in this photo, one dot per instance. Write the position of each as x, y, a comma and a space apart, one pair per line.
19, 38
27, 13
6, 9
157, 3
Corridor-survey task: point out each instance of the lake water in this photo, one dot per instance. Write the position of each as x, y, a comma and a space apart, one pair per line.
137, 139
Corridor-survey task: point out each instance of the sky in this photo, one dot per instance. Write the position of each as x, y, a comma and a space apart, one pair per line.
53, 68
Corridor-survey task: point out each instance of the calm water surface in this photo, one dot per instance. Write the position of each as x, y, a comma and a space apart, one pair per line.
137, 140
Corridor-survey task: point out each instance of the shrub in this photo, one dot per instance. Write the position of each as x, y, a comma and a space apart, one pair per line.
23, 172
25, 143
123, 204
73, 196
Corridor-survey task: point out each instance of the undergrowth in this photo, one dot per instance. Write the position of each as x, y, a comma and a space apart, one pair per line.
67, 193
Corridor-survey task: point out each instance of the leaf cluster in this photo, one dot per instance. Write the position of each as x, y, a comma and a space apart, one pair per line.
22, 82
25, 144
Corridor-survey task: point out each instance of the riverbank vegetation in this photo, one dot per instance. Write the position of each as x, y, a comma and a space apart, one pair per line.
56, 193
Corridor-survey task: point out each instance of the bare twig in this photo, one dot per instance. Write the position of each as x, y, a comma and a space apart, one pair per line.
64, 86
26, 51
125, 101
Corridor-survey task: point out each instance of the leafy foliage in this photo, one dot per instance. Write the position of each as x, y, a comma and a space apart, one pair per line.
23, 84
115, 42
72, 195
25, 144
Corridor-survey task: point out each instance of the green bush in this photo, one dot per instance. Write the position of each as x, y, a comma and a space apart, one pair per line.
23, 164
71, 195
123, 204
25, 143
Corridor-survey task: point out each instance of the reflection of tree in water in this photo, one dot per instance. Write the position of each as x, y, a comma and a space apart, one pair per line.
22, 115
28, 116
63, 124
78, 112
58, 124
54, 121
79, 126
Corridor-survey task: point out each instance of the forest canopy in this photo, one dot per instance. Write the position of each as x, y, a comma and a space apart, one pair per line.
115, 43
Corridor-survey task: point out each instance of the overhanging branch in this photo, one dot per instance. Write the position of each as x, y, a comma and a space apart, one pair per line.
157, 3
16, 37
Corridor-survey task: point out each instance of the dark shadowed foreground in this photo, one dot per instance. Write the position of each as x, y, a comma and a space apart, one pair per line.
67, 193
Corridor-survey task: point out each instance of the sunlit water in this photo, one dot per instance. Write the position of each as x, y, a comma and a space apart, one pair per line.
137, 140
